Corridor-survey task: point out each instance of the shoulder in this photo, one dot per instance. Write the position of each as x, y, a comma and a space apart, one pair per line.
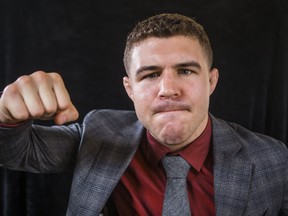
111, 121
111, 116
256, 145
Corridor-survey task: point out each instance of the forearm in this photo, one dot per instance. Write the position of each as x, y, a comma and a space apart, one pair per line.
39, 149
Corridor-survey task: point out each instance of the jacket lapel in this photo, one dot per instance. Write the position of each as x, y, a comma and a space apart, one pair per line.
102, 160
232, 170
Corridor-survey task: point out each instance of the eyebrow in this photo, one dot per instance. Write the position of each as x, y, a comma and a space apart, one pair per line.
146, 68
188, 64
154, 67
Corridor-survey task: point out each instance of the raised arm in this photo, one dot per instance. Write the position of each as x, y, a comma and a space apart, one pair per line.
34, 148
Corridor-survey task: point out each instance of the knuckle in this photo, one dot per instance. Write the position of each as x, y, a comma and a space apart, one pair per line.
10, 89
50, 109
23, 80
37, 112
21, 116
56, 77
38, 73
64, 105
40, 77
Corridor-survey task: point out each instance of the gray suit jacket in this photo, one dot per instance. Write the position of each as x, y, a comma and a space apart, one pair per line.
250, 170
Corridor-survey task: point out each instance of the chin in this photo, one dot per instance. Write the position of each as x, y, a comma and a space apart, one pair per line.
173, 136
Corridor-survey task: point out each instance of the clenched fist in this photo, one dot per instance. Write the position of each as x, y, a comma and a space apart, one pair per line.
37, 96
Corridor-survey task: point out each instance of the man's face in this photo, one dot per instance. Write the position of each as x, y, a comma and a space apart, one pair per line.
170, 84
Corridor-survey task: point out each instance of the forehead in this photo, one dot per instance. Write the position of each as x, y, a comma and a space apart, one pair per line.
167, 51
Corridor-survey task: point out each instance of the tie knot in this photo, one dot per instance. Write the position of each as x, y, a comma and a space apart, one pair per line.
175, 166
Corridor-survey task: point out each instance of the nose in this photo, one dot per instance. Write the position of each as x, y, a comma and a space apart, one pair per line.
168, 86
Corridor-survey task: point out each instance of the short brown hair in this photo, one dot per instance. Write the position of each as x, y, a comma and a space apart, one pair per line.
167, 25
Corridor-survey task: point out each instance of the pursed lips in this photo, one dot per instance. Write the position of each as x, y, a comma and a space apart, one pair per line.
170, 107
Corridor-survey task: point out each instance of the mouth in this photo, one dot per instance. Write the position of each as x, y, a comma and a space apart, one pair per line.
167, 107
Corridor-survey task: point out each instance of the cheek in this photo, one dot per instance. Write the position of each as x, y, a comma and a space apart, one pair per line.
198, 96
143, 100
142, 111
144, 93
202, 89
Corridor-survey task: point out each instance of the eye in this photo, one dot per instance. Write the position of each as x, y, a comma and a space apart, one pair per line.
185, 71
151, 75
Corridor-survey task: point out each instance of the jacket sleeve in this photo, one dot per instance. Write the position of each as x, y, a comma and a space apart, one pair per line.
34, 148
284, 209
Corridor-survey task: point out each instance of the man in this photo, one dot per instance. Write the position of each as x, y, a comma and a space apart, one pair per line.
118, 156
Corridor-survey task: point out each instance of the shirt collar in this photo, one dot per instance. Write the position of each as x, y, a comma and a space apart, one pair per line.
195, 153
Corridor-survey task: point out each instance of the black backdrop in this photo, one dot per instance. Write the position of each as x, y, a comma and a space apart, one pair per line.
84, 41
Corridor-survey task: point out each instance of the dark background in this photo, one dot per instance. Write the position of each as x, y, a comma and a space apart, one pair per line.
84, 40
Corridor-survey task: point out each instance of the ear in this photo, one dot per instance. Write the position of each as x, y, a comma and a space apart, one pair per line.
213, 79
128, 87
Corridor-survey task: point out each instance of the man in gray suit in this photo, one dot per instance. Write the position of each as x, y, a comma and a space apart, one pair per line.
116, 155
